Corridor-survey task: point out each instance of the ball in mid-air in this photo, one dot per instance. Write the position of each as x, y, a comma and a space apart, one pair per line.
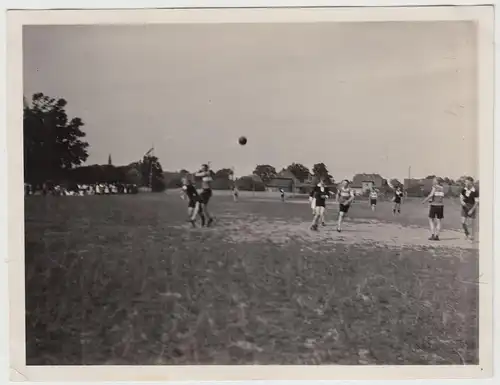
242, 140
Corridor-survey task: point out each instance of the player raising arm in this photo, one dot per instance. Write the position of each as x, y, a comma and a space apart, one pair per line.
206, 190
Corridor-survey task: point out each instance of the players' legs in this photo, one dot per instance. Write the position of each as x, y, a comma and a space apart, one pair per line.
192, 212
432, 228
199, 211
473, 228
342, 212
340, 220
432, 225
438, 229
319, 212
439, 221
322, 217
205, 198
465, 224
316, 218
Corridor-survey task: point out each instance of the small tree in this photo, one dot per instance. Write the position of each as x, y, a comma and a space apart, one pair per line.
266, 172
320, 171
300, 171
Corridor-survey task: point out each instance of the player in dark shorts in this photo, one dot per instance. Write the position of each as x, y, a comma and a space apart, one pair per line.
436, 208
397, 199
345, 197
206, 190
320, 194
282, 194
469, 199
194, 201
373, 198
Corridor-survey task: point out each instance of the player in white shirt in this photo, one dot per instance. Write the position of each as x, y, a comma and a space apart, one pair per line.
206, 193
436, 208
373, 198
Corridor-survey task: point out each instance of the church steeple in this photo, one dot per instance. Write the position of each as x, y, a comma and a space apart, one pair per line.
109, 160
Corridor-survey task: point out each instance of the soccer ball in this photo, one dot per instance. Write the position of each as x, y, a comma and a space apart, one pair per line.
242, 140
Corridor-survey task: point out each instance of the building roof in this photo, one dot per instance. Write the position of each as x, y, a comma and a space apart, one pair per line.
368, 177
286, 174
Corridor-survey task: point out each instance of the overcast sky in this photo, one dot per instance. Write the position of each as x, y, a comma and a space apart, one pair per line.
360, 97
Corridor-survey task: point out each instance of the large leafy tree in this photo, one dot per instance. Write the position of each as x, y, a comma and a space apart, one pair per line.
320, 171
300, 171
266, 172
53, 143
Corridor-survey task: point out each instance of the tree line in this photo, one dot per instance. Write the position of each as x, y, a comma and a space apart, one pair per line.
55, 150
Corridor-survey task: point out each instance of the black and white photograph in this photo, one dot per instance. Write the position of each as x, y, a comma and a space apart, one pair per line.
256, 192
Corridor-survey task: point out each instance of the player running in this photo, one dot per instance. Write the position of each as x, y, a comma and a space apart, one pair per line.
373, 198
345, 196
236, 193
194, 201
436, 209
206, 192
469, 199
318, 196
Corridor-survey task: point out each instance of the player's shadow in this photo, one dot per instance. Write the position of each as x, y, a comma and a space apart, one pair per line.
450, 239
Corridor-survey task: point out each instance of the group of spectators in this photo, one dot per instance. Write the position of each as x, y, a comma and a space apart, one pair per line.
82, 189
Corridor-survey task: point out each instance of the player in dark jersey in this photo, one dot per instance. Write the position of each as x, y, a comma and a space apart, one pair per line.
436, 208
397, 199
194, 201
345, 196
319, 194
282, 194
206, 190
469, 199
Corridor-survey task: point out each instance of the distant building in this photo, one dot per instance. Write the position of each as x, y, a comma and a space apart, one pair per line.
421, 187
360, 180
284, 180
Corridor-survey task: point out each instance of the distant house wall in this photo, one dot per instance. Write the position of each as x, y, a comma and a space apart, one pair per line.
275, 184
358, 190
377, 180
367, 185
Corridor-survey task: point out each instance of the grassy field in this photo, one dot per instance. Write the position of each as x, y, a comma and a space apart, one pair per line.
125, 280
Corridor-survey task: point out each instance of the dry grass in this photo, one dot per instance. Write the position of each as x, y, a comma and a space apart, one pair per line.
123, 280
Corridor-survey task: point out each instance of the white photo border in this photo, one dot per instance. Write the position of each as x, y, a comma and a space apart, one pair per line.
13, 169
